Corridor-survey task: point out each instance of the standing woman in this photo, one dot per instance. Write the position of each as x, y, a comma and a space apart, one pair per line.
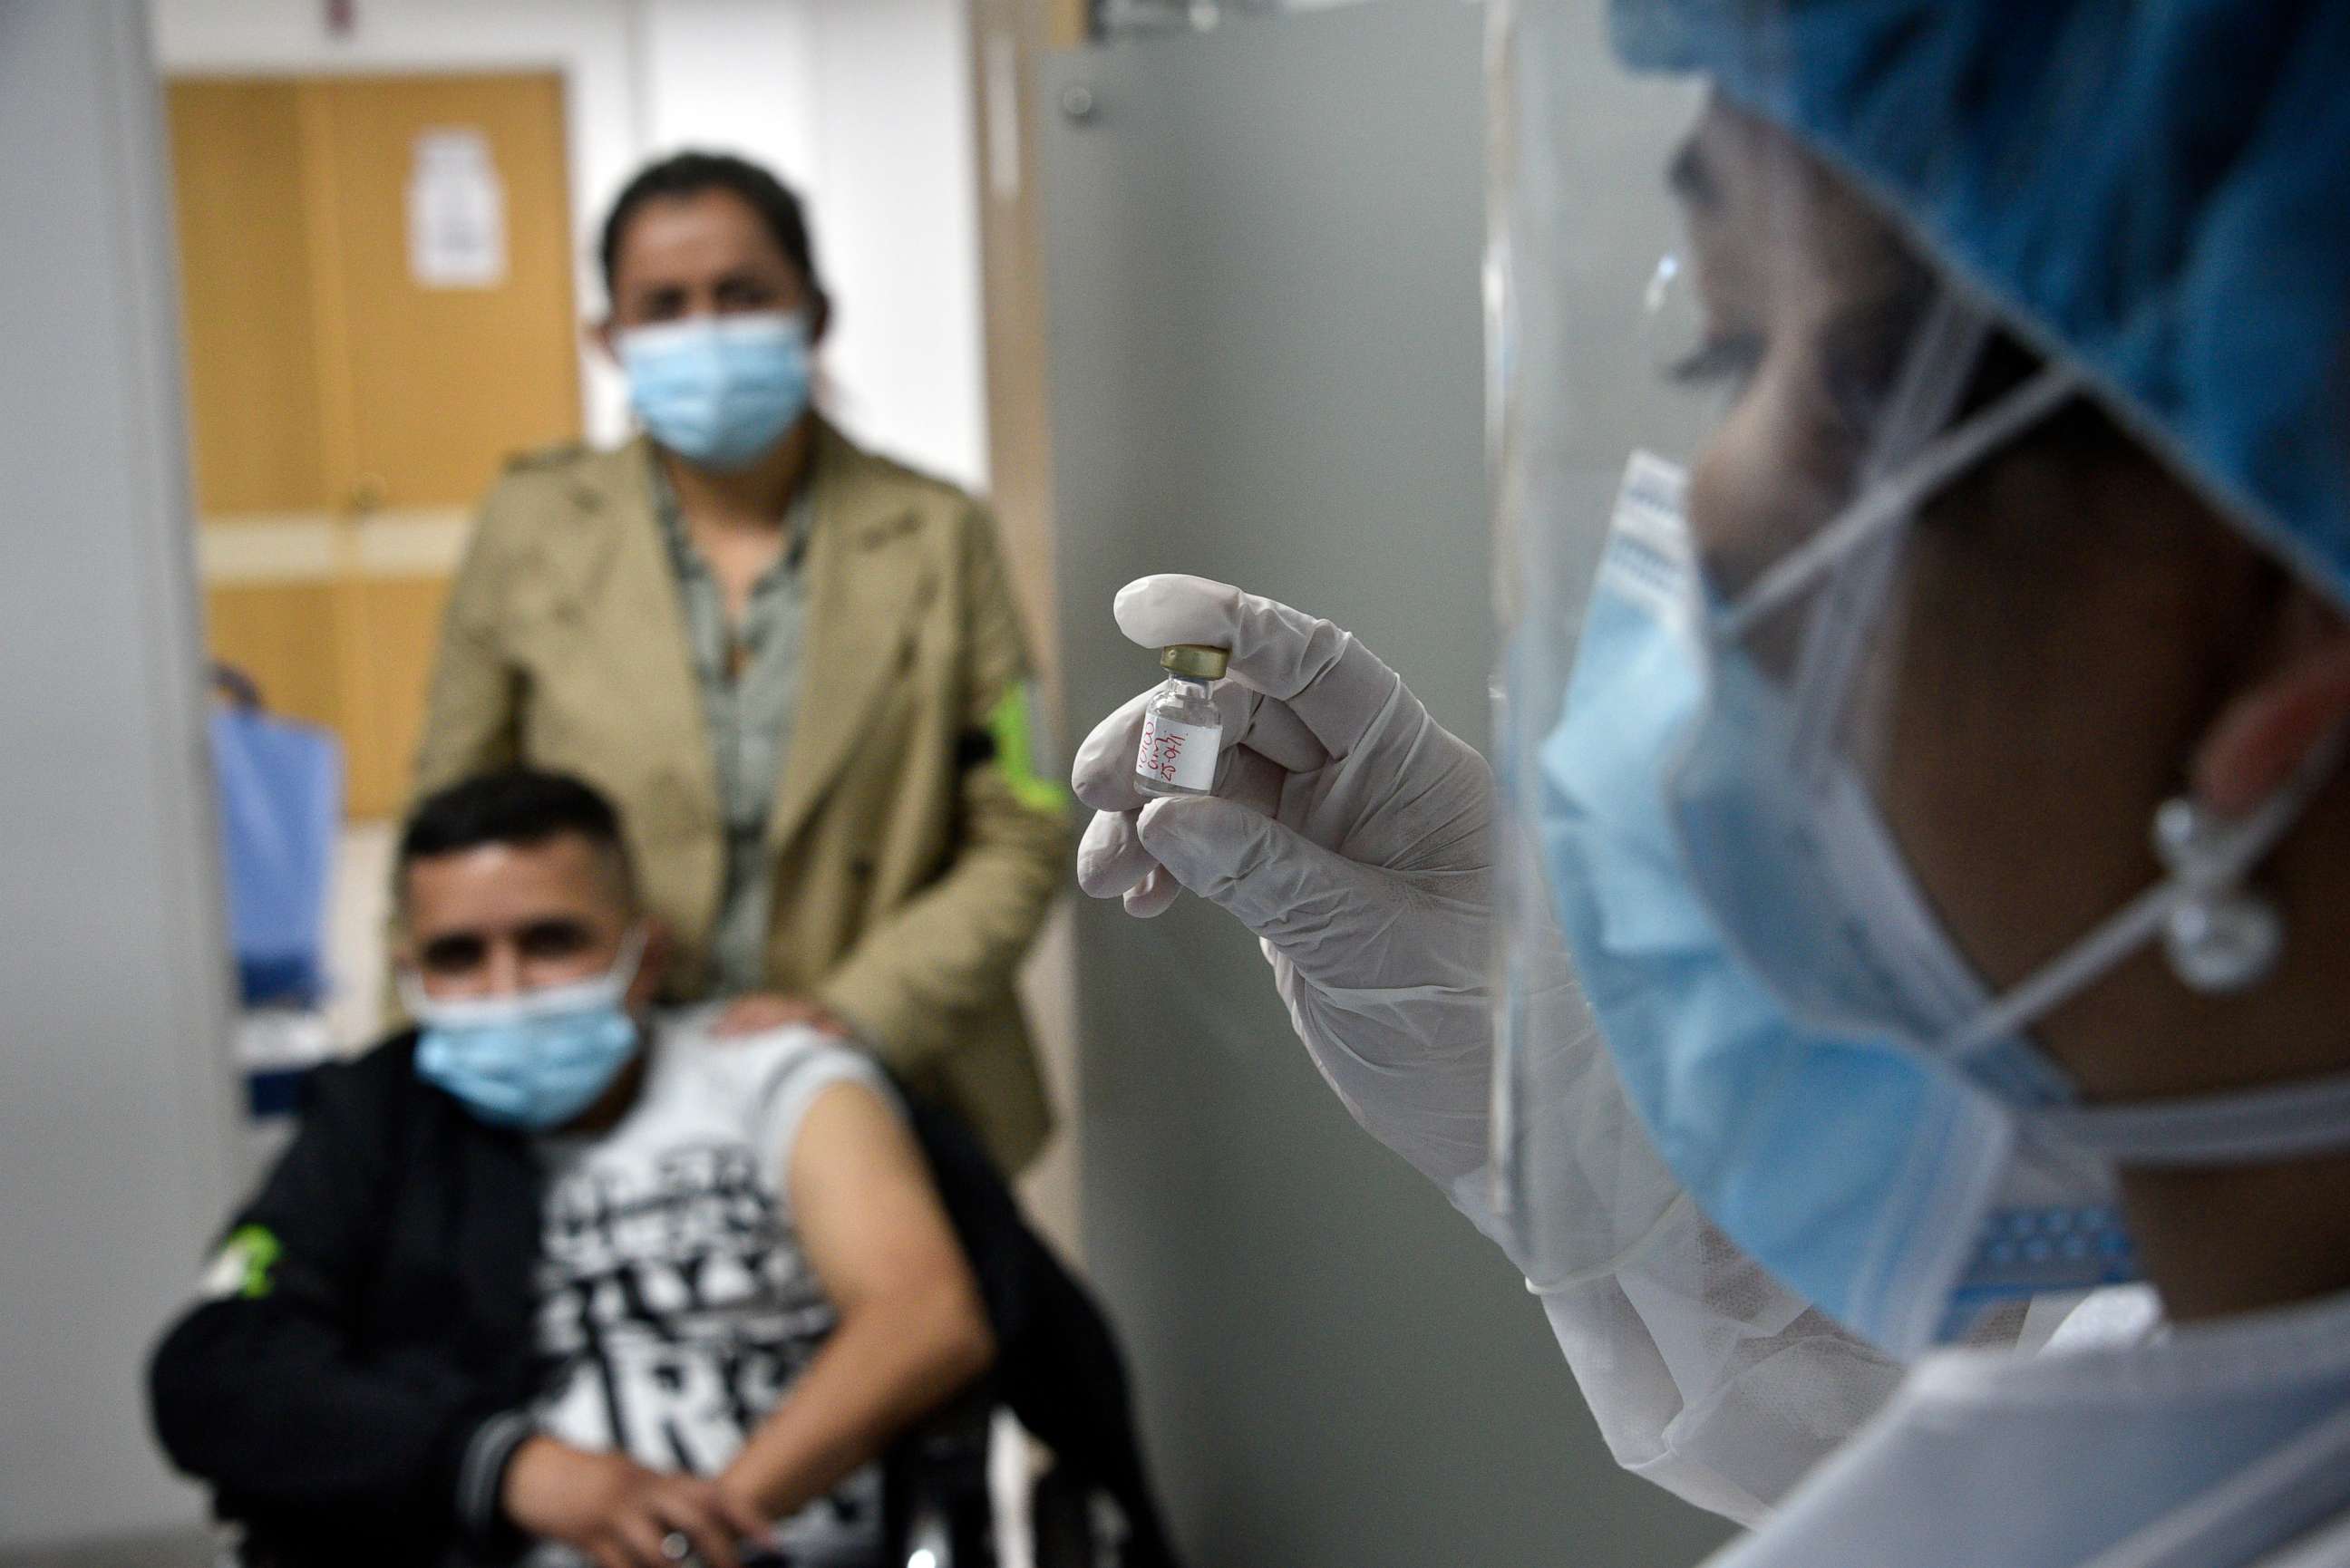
797, 667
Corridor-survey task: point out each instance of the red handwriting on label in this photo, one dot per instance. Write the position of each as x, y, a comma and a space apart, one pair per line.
1160, 753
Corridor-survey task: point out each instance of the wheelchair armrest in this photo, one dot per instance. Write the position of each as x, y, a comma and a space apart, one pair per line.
934, 1495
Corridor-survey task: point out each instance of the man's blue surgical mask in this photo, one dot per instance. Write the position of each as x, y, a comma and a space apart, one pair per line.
719, 390
535, 1060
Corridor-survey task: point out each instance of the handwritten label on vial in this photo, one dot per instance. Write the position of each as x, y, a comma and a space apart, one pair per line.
1179, 754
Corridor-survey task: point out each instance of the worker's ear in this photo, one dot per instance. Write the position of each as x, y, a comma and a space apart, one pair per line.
2300, 696
600, 333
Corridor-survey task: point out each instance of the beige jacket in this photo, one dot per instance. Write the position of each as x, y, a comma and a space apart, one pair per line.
916, 846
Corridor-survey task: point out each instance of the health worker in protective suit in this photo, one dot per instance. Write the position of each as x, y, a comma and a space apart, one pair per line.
1915, 885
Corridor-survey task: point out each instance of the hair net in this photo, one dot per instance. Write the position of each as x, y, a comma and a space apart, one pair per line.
2159, 193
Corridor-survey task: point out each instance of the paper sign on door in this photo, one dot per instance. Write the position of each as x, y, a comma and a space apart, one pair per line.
456, 212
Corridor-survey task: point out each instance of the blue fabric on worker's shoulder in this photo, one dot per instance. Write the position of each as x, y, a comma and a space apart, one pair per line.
280, 787
2158, 191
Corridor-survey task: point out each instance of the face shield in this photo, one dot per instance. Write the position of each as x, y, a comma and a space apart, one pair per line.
1763, 654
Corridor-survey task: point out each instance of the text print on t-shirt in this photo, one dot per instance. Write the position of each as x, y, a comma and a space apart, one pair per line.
675, 1308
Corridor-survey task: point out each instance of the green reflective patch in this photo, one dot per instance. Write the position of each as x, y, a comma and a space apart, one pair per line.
1016, 732
256, 1247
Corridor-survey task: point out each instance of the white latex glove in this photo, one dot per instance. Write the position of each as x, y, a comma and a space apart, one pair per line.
1354, 836
1349, 831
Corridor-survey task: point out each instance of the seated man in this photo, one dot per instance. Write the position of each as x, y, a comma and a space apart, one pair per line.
558, 1277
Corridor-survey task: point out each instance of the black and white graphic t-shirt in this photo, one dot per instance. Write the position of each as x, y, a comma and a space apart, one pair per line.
676, 1308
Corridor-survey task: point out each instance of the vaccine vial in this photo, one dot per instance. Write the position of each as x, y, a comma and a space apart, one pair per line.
1180, 729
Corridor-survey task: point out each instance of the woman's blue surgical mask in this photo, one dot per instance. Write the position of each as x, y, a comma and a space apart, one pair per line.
719, 390
535, 1060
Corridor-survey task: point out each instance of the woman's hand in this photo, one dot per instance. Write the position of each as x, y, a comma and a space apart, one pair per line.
756, 1012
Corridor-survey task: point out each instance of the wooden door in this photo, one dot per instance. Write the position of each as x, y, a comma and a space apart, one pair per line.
355, 387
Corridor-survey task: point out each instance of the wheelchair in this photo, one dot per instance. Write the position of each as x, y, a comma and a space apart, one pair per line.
1058, 1371
940, 1507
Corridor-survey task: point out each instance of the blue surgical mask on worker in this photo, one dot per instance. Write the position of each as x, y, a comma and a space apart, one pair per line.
1818, 1062
535, 1060
1841, 1154
719, 390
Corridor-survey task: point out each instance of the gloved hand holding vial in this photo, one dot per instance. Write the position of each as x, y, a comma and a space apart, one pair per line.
1353, 835
1345, 826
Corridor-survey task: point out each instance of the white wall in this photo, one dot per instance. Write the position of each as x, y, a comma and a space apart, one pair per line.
735, 76
865, 105
116, 1121
894, 111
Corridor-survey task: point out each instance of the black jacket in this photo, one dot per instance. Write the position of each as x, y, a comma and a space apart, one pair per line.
353, 1403
332, 1402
